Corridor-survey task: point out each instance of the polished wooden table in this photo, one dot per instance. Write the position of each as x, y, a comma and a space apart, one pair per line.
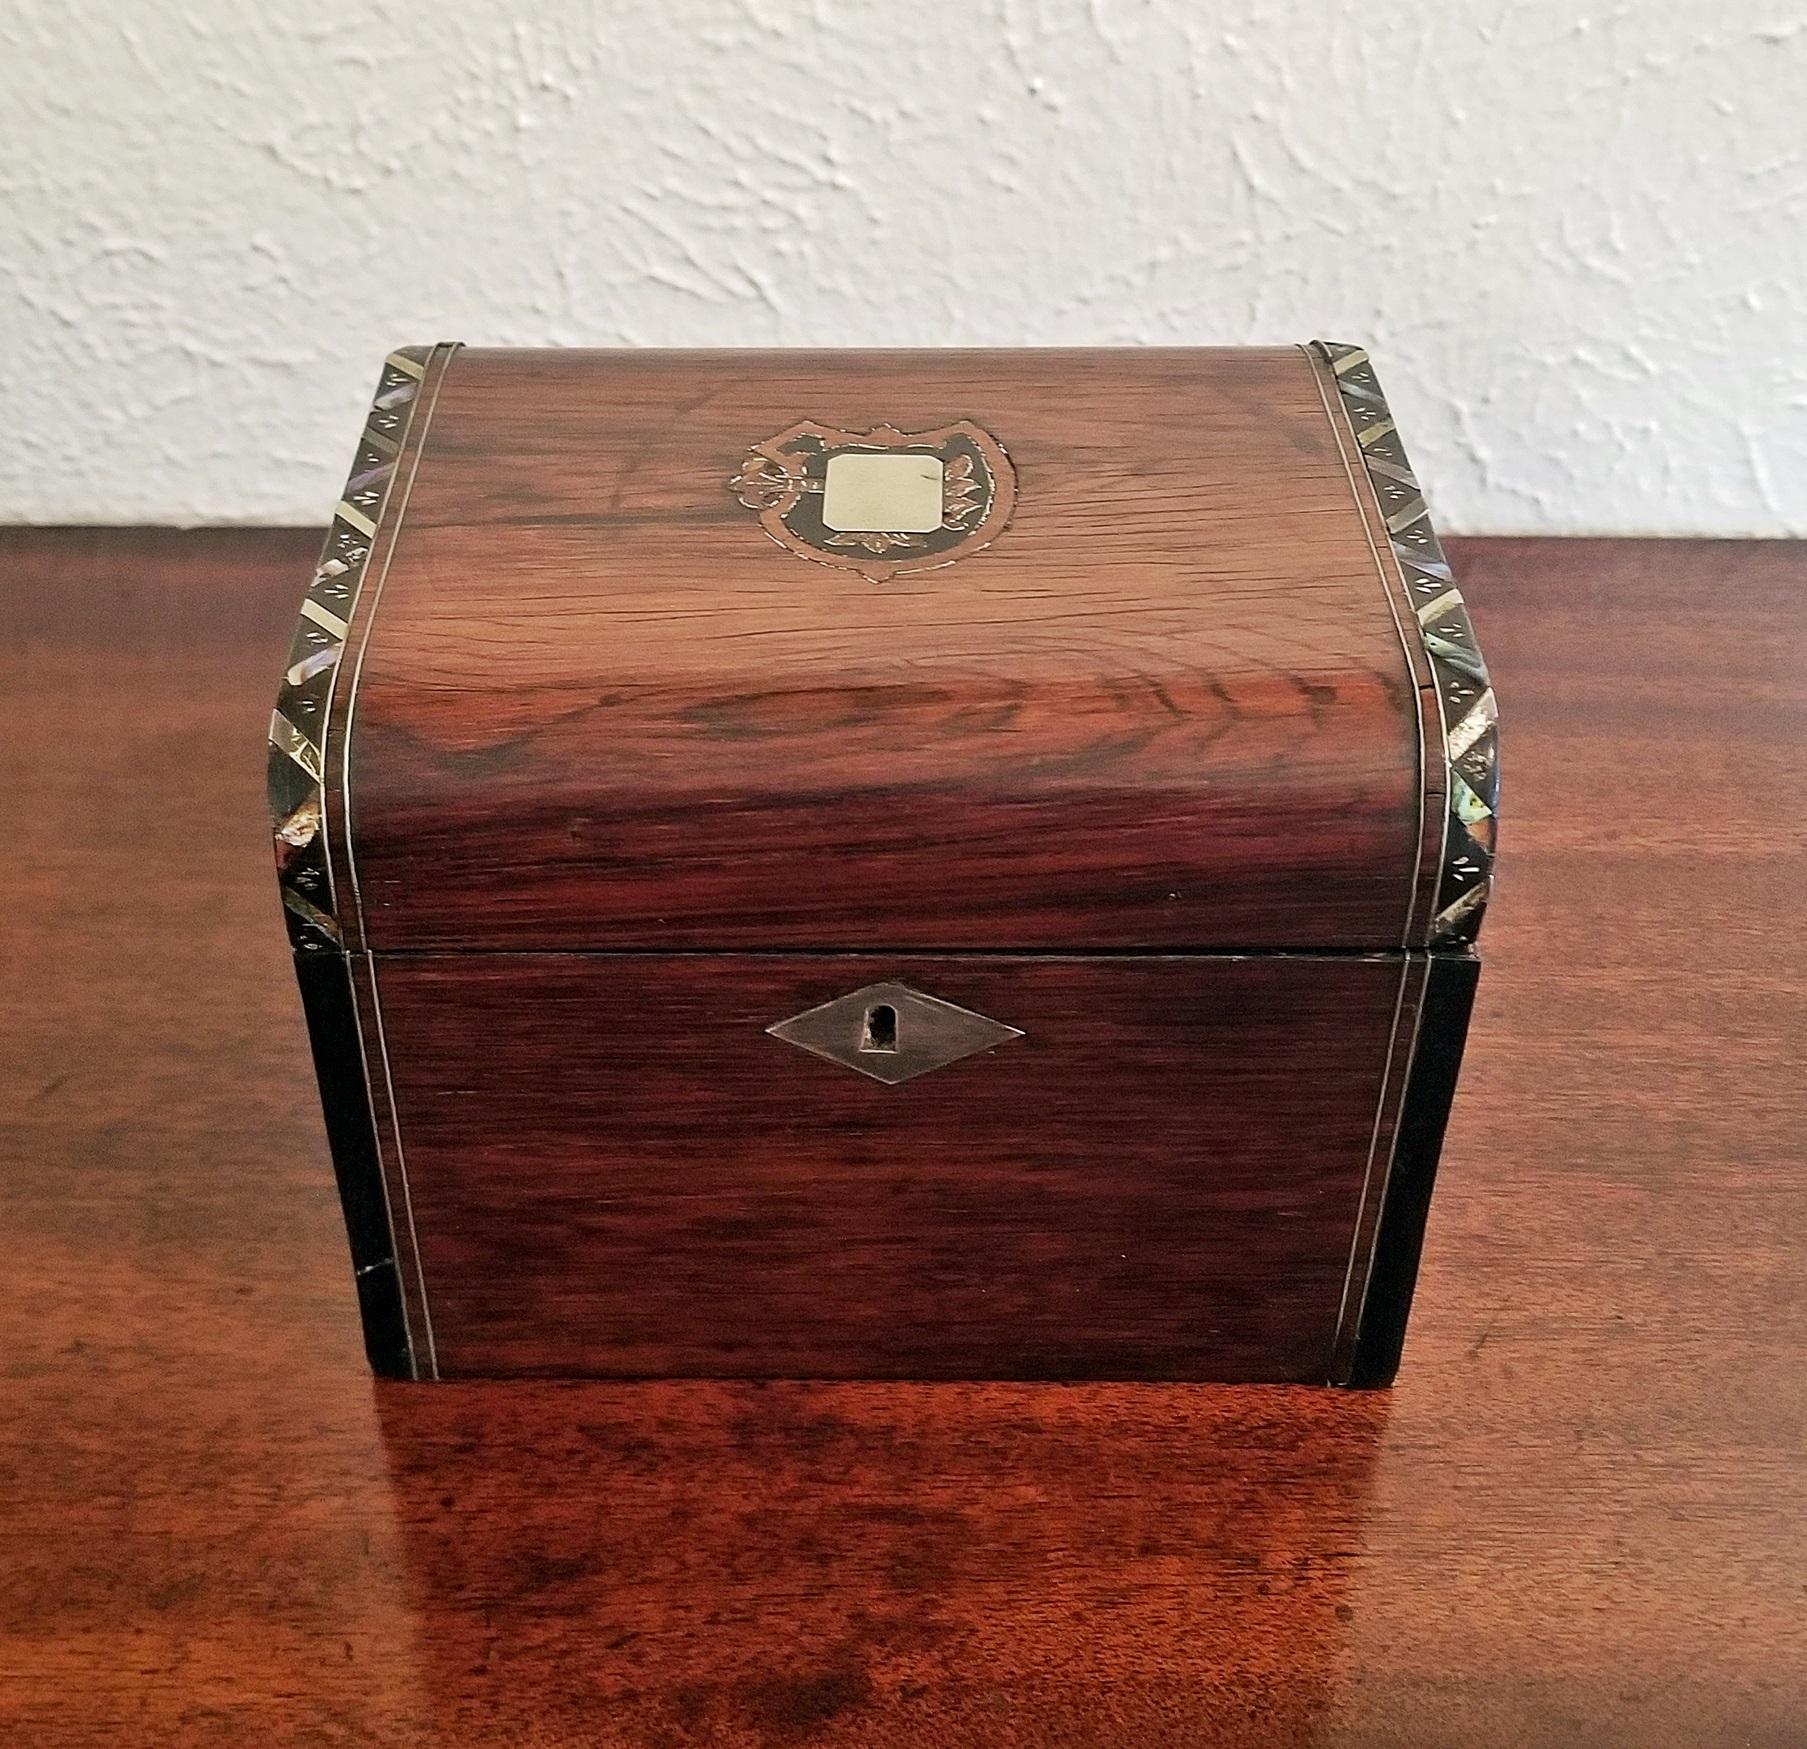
1580, 1518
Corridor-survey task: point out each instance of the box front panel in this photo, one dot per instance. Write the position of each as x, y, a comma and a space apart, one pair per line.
1147, 1168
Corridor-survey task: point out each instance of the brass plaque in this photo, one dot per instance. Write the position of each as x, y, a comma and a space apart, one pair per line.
866, 491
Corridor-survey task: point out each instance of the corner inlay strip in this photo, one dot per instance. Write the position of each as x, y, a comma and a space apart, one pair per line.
298, 727
1464, 696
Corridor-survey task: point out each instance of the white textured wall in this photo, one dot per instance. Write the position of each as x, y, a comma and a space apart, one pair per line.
1573, 231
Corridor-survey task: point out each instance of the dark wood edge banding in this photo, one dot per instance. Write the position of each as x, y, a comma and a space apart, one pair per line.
1395, 1074
1465, 779
337, 1040
1399, 1241
392, 1161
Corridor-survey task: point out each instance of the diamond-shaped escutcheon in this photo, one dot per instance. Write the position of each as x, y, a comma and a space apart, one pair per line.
891, 1032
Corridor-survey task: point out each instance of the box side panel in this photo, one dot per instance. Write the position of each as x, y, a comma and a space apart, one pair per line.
1157, 696
1147, 1168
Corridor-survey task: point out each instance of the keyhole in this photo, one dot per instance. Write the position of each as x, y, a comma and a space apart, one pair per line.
880, 1031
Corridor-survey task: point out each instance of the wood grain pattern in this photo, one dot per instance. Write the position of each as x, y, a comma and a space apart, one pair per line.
1573, 1524
614, 1170
1169, 706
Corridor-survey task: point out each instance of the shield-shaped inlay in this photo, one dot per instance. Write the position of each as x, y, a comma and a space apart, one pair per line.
879, 501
